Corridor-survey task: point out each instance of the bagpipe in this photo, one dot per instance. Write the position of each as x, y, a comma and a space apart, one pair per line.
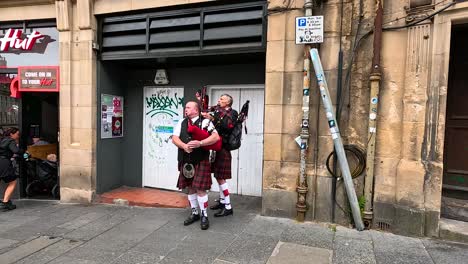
197, 132
200, 134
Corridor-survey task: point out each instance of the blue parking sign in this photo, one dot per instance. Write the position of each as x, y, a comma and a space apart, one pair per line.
301, 22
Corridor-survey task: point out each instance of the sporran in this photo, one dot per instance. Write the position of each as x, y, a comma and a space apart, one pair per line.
188, 170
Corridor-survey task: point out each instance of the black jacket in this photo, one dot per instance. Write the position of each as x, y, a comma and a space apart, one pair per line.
8, 147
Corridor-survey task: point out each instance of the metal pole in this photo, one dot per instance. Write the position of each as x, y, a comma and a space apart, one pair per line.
375, 77
301, 205
335, 132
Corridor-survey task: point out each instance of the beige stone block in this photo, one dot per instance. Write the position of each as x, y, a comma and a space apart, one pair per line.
292, 119
143, 4
65, 137
388, 140
83, 95
275, 57
272, 147
271, 170
293, 88
111, 6
277, 27
76, 177
412, 140
274, 85
64, 51
294, 57
82, 117
290, 150
282, 3
69, 195
85, 13
332, 19
24, 12
65, 72
289, 175
385, 170
291, 24
329, 53
433, 186
441, 39
82, 72
65, 93
410, 184
65, 116
82, 51
393, 57
76, 157
414, 112
273, 119
325, 148
85, 137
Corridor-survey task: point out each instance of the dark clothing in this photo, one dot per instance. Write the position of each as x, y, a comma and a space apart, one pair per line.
197, 154
221, 166
200, 181
199, 157
224, 120
8, 148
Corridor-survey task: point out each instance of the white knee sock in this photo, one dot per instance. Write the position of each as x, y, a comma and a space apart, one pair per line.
221, 195
203, 202
225, 191
193, 203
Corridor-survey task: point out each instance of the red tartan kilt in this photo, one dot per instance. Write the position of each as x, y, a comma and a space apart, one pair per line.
221, 167
200, 181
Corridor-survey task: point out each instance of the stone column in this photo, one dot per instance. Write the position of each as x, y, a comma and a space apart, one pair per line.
77, 32
410, 170
283, 101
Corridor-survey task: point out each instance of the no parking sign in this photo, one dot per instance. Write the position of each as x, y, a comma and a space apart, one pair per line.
309, 30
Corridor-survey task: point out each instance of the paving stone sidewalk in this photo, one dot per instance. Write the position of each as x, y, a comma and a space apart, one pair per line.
48, 232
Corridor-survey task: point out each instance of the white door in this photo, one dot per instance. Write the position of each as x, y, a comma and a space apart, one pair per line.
247, 162
162, 109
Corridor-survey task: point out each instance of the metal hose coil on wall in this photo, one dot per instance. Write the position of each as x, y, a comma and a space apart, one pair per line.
357, 152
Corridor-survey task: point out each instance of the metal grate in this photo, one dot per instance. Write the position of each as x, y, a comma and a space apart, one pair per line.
198, 31
384, 226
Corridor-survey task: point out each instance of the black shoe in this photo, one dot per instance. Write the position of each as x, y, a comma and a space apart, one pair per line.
224, 212
7, 206
191, 219
217, 206
204, 224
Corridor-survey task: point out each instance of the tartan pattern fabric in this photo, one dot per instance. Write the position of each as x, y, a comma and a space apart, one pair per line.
222, 164
200, 181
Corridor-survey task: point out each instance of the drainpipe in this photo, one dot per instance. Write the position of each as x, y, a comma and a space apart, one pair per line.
375, 78
301, 205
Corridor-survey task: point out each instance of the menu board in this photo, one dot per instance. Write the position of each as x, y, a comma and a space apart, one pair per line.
111, 116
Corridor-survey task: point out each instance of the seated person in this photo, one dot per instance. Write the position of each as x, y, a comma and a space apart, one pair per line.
37, 141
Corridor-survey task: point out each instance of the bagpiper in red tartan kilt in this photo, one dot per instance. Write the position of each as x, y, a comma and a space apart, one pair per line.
200, 181
221, 166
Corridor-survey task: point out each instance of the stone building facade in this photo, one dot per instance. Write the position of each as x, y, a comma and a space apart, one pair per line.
410, 134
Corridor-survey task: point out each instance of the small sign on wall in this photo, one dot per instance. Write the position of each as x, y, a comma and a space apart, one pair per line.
309, 30
111, 116
39, 79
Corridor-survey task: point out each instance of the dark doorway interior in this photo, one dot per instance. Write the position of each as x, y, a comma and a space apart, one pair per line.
40, 126
455, 179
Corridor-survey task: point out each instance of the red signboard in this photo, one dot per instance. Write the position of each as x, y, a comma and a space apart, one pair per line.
39, 79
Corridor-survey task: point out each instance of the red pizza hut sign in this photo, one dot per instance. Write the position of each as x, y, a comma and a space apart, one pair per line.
39, 79
12, 39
